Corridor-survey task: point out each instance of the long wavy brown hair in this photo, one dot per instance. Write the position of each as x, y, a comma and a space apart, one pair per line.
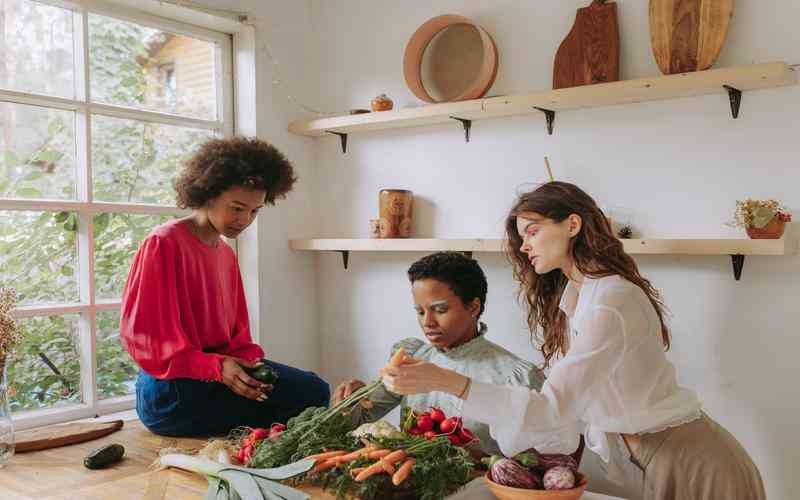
595, 251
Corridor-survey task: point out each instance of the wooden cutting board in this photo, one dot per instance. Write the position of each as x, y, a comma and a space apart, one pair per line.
688, 35
590, 52
62, 435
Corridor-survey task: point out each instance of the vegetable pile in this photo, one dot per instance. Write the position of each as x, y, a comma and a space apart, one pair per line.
324, 446
374, 460
532, 470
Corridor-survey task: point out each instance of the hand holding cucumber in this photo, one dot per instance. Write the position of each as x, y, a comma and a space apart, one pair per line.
242, 378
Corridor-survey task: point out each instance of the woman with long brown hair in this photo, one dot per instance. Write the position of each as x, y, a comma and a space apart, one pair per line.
602, 333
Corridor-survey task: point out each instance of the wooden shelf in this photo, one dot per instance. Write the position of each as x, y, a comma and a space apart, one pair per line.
714, 81
736, 248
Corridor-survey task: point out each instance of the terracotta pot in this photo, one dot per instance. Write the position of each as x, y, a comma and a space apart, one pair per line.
396, 213
772, 231
382, 103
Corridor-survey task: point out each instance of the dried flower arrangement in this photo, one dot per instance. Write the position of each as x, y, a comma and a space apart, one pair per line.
10, 334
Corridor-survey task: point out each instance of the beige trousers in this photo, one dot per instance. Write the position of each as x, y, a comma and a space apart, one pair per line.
699, 460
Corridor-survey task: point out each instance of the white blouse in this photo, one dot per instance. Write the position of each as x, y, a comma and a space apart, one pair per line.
615, 378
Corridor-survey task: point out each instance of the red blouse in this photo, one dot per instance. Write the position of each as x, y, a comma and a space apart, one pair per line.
183, 307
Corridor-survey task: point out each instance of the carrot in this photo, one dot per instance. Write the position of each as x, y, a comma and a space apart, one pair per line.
323, 466
389, 468
403, 472
326, 455
394, 457
370, 471
374, 455
356, 471
398, 358
353, 455
380, 466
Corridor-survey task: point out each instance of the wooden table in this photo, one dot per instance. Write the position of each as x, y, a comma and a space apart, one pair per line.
59, 473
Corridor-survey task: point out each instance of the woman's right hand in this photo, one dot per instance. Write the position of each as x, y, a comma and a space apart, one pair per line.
234, 376
344, 390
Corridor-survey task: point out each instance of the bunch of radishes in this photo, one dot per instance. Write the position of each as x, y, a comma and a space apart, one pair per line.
435, 423
257, 434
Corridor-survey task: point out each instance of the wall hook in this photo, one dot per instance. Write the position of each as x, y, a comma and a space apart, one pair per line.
550, 116
342, 137
467, 126
735, 96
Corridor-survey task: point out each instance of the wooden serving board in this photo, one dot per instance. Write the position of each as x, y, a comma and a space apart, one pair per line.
688, 35
62, 435
590, 52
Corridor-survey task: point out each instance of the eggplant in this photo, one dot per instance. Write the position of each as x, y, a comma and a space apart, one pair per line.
511, 473
559, 478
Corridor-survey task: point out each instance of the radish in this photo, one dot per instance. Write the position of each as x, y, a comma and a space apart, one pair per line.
450, 425
437, 415
465, 436
425, 423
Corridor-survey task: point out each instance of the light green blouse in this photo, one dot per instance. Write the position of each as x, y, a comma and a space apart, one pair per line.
480, 359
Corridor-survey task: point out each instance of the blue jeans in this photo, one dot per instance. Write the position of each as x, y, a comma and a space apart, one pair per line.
187, 407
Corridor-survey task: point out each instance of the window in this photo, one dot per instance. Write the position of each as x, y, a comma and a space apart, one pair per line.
98, 107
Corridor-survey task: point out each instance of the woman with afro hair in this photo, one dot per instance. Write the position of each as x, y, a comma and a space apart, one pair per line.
184, 316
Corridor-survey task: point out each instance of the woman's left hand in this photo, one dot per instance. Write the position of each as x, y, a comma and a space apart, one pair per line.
421, 377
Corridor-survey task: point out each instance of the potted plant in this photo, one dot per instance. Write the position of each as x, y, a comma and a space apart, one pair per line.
762, 219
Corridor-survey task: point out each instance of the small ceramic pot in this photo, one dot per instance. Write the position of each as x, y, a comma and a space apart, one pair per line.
374, 228
772, 231
382, 103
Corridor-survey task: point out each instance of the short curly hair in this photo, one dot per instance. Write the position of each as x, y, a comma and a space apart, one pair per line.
460, 273
220, 164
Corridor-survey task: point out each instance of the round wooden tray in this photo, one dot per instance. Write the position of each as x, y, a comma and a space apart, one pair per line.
478, 84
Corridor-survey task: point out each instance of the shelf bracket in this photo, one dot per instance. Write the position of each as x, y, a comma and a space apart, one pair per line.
345, 257
342, 138
550, 116
735, 96
738, 264
467, 126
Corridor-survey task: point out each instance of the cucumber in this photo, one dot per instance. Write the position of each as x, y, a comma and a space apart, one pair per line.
263, 374
104, 457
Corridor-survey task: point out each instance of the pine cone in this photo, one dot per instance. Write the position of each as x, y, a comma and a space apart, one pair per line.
625, 232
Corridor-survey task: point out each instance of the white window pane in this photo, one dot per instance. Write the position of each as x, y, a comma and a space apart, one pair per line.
132, 65
117, 238
116, 371
38, 152
38, 255
46, 370
135, 162
36, 40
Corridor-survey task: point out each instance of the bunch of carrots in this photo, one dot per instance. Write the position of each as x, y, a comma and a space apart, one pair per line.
386, 461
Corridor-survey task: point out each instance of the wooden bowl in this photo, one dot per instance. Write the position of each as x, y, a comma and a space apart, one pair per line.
477, 84
509, 493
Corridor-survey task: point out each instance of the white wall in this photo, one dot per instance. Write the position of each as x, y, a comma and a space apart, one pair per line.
286, 281
677, 166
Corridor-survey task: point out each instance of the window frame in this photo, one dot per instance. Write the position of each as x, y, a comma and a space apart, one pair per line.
83, 205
